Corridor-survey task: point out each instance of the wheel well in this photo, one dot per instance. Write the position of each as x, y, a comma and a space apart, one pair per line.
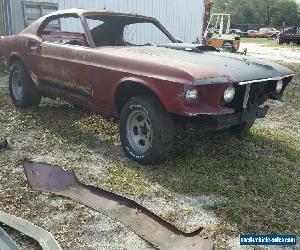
129, 89
14, 58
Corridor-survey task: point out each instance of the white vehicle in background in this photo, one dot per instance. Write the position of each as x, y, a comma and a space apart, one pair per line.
235, 31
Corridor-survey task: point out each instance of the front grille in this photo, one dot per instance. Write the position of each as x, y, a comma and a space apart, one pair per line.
258, 93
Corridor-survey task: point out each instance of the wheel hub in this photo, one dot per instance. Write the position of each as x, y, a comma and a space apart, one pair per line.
139, 131
17, 86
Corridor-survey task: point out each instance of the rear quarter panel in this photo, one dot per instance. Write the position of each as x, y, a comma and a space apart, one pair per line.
12, 47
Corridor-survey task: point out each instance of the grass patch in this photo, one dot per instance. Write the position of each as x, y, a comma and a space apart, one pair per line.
131, 181
255, 174
3, 92
4, 156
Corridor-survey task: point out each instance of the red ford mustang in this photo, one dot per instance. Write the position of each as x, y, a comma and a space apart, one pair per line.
129, 66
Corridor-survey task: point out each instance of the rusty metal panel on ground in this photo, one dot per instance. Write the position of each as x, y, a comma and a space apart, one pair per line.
147, 225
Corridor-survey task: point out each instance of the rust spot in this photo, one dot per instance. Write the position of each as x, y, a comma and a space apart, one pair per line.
70, 85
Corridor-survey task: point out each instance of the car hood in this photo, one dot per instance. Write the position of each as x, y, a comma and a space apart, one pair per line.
203, 62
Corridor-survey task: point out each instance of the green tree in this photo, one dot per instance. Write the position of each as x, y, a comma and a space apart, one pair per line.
285, 11
266, 12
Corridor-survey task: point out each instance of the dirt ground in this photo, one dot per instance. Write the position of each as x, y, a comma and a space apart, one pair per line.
224, 184
288, 54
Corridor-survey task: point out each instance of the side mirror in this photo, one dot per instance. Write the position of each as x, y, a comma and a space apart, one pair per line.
179, 40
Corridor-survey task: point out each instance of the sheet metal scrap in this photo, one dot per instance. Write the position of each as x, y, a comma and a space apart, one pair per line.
147, 225
44, 238
6, 243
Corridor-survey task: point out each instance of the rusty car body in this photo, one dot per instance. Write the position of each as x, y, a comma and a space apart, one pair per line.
149, 87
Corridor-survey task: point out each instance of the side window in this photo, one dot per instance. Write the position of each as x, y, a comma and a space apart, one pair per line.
143, 34
65, 30
93, 23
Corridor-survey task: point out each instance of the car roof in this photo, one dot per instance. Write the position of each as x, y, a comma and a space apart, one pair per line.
34, 27
88, 12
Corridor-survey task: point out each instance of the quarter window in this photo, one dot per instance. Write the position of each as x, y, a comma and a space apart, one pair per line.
70, 31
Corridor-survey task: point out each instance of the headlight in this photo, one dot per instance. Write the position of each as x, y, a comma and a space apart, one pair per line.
191, 95
229, 94
279, 86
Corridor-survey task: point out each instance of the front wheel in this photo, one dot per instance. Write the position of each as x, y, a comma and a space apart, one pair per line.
146, 130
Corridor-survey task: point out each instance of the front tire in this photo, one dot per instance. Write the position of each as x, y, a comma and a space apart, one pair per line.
146, 130
23, 93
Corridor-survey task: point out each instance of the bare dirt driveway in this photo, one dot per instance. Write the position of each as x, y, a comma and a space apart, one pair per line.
286, 54
225, 184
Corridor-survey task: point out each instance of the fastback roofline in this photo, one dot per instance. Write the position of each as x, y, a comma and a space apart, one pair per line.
34, 27
88, 12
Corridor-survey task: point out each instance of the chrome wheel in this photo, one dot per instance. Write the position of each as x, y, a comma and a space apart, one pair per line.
17, 86
139, 131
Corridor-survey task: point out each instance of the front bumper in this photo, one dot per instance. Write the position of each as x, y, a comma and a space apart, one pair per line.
219, 122
238, 118
246, 106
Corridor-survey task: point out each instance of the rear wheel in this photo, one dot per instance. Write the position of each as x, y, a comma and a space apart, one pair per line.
146, 130
22, 90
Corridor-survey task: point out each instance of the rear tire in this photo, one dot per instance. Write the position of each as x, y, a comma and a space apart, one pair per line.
147, 130
23, 93
241, 129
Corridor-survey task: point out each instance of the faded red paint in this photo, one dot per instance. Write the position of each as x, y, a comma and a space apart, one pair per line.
99, 71
96, 73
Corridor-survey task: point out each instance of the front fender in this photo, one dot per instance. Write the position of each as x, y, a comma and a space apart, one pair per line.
164, 90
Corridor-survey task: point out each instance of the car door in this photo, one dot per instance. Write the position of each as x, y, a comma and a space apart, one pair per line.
31, 56
62, 66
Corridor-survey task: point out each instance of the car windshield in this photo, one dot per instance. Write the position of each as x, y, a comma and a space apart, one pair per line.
126, 31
